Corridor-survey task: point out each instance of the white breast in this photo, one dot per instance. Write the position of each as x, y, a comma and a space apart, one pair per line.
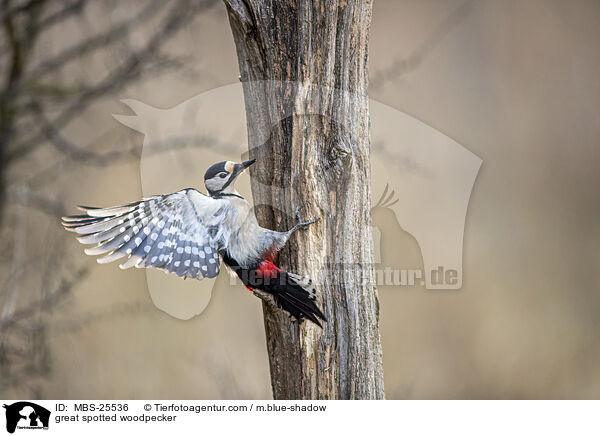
246, 242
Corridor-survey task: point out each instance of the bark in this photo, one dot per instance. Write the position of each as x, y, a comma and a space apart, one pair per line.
303, 65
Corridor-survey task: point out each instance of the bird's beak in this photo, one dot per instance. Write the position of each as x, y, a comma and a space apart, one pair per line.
238, 168
246, 164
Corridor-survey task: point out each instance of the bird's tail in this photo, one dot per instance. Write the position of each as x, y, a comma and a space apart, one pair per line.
297, 295
292, 293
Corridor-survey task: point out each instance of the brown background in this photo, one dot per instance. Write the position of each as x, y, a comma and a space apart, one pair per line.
514, 81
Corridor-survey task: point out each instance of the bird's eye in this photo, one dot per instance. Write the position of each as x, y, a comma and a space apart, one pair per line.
223, 175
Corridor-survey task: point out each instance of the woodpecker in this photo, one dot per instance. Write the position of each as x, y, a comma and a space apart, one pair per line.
187, 233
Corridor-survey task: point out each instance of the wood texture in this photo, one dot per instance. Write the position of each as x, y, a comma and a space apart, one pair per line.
303, 65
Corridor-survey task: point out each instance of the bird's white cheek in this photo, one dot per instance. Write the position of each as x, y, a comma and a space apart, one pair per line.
213, 185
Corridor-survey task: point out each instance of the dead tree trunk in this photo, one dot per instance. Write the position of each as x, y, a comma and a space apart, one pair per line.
303, 65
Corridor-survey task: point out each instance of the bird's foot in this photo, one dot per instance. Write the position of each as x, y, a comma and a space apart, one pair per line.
303, 224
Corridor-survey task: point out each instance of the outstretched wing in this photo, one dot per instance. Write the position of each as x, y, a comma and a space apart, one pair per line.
178, 233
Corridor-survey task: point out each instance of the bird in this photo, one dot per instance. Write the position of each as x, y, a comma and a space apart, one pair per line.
188, 233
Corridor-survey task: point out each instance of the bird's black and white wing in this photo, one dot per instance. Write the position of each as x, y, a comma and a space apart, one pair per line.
178, 233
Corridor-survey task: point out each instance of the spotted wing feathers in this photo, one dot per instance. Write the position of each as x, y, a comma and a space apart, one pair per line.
173, 232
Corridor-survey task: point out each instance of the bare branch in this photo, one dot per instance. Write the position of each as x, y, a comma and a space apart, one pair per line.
122, 75
24, 126
73, 8
85, 156
27, 198
114, 33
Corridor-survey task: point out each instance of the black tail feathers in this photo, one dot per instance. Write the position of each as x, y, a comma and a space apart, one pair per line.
295, 295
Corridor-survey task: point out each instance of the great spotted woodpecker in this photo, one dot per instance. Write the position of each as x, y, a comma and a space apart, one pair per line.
187, 233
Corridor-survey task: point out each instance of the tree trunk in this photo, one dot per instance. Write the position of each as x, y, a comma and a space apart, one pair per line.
303, 65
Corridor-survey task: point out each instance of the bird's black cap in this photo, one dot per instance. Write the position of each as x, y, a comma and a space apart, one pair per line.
214, 170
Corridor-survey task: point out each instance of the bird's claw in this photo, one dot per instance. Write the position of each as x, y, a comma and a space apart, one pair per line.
303, 225
298, 219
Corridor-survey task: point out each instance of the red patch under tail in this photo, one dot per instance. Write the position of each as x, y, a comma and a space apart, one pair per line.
267, 269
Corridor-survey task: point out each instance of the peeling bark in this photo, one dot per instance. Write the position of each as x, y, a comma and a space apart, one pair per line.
304, 71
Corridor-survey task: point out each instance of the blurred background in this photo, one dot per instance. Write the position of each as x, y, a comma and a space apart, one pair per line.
513, 81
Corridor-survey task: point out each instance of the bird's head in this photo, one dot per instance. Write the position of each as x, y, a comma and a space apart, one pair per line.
220, 178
